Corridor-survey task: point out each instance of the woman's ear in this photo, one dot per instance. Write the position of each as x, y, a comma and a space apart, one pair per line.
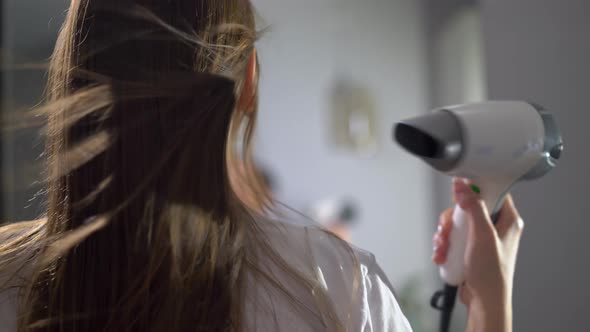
248, 96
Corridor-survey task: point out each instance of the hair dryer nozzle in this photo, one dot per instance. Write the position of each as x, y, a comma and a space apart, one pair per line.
417, 141
435, 137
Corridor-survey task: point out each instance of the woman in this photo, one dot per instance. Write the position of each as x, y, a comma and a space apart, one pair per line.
145, 230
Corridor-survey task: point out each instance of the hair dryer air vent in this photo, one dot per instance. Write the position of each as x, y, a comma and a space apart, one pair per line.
435, 137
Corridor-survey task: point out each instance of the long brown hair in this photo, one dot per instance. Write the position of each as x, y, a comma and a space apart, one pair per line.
144, 229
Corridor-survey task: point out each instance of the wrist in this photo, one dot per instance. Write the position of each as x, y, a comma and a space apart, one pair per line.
487, 315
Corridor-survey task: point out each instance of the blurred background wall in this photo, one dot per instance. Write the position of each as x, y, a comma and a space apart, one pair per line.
29, 30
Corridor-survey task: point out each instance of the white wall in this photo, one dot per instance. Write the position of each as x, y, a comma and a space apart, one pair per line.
378, 43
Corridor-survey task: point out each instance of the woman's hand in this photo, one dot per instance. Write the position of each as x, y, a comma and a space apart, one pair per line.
490, 258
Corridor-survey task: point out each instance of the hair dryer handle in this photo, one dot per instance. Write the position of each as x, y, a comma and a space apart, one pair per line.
452, 271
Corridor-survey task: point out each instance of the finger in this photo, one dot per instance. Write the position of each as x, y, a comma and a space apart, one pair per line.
435, 241
440, 239
473, 205
440, 249
438, 242
509, 220
445, 224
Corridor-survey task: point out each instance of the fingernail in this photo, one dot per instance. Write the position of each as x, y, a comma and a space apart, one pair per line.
475, 189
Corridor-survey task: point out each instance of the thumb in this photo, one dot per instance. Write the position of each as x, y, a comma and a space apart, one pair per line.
473, 205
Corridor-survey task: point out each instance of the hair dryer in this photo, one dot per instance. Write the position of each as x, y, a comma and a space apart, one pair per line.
493, 144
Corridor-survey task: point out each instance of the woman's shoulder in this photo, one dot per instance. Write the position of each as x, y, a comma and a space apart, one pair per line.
318, 245
351, 275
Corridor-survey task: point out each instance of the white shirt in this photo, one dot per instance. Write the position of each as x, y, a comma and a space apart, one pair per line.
369, 307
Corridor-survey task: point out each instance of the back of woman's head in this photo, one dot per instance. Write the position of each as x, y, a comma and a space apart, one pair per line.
159, 110
146, 232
